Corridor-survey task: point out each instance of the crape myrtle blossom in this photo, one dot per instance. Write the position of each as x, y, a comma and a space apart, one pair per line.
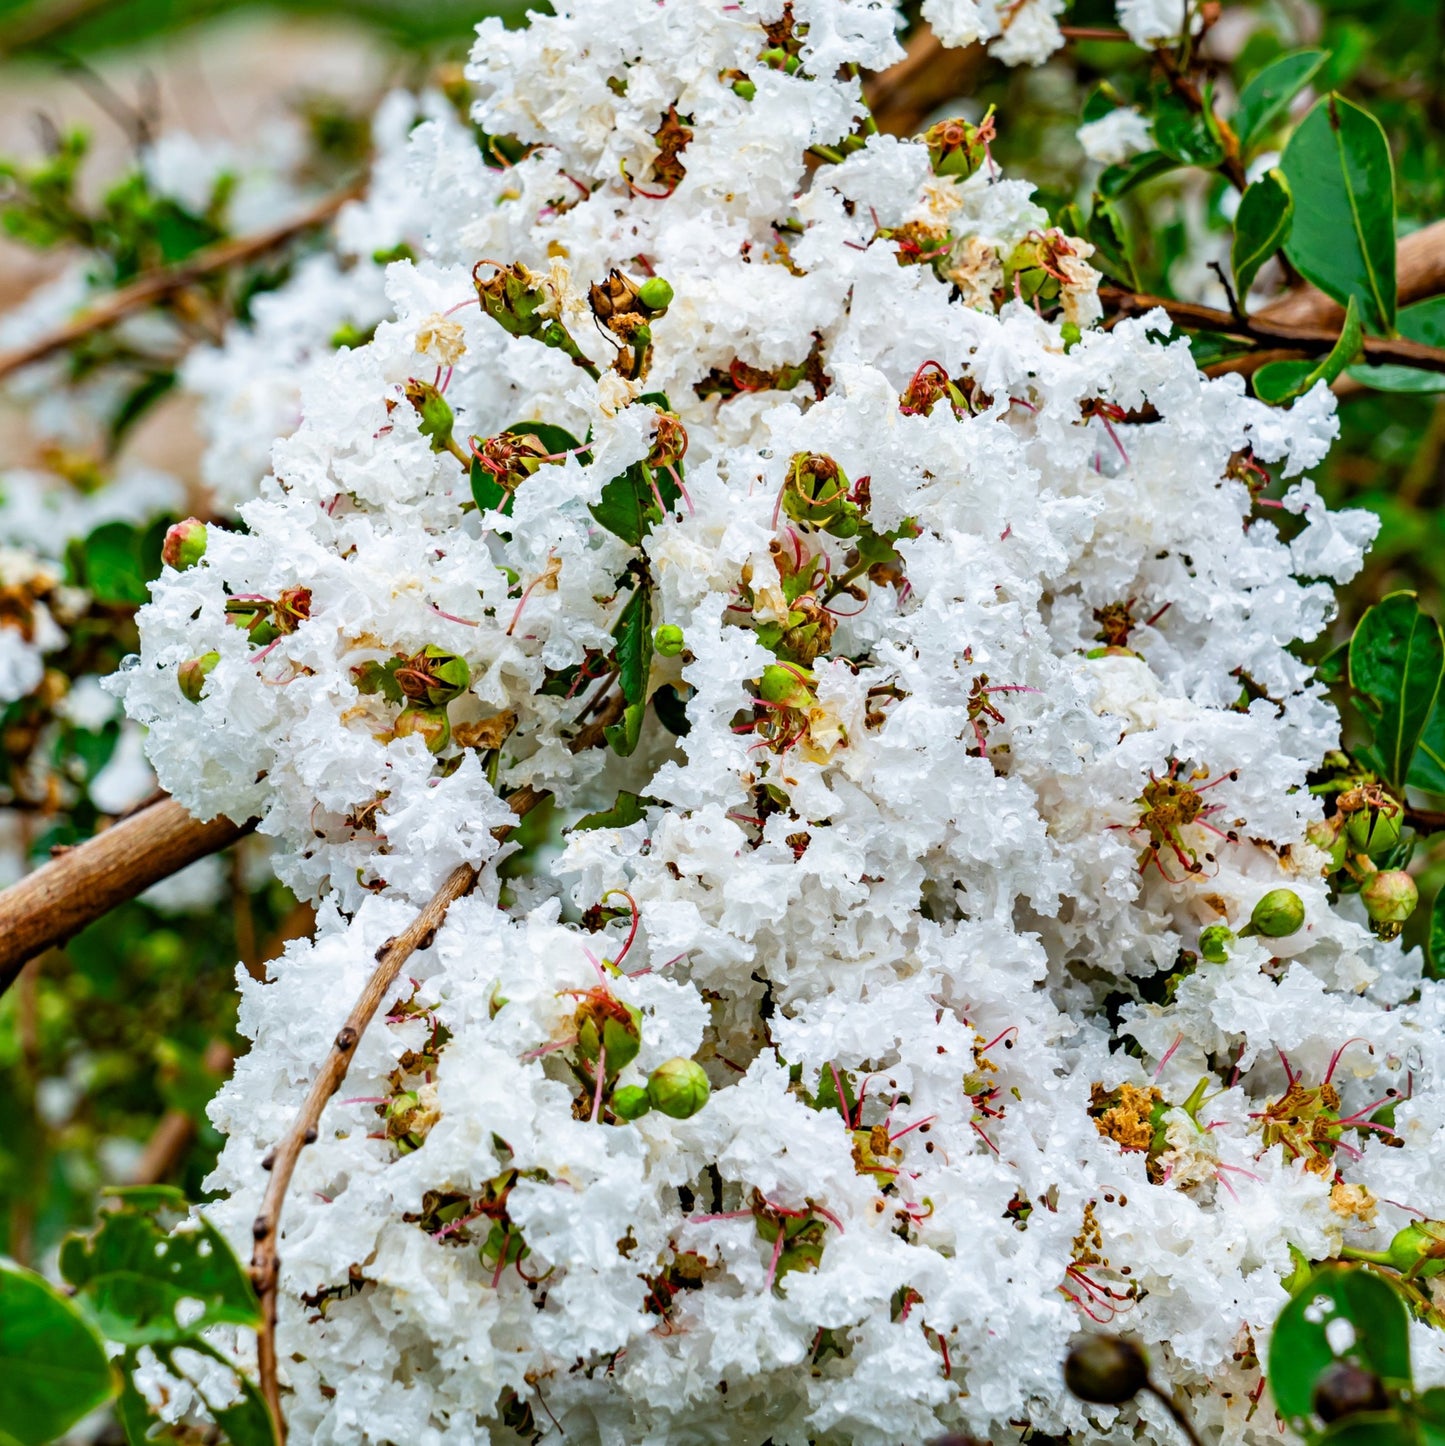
965, 704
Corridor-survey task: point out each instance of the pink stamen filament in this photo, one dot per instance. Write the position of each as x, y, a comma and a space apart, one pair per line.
907, 1129
1168, 1055
636, 919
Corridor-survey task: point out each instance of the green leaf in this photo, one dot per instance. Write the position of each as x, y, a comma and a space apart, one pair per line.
1299, 1349
1185, 134
1260, 228
671, 708
1334, 666
487, 492
628, 505
629, 808
1282, 381
1371, 1428
633, 631
1120, 178
1110, 237
1267, 96
1397, 656
116, 563
130, 1275
1435, 942
53, 1368
1343, 181
1423, 322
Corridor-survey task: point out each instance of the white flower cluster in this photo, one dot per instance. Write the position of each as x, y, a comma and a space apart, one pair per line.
959, 699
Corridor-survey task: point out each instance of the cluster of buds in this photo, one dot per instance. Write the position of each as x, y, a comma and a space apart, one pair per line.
520, 303
677, 1088
1365, 830
422, 683
627, 310
1278, 914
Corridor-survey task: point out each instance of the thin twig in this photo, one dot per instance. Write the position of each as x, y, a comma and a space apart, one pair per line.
76, 887
281, 1162
157, 285
1306, 340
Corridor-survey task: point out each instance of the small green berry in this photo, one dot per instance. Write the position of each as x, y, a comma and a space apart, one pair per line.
1389, 897
192, 674
1278, 914
185, 544
745, 88
655, 294
668, 640
630, 1102
429, 724
678, 1088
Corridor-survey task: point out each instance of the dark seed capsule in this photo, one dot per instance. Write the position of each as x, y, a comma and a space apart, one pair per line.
1345, 1388
1105, 1370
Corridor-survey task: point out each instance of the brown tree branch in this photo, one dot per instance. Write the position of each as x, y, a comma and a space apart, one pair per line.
281, 1162
74, 889
1304, 340
158, 285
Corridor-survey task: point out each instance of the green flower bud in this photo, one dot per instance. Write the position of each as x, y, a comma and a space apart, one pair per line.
1326, 834
668, 640
430, 724
513, 298
1214, 943
1419, 1249
184, 545
678, 1088
655, 294
744, 88
191, 675
1376, 828
630, 1102
1106, 1370
1389, 898
1278, 914
1344, 1388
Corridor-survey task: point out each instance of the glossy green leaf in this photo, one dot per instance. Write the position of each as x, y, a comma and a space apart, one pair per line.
1261, 227
633, 632
1267, 96
1119, 179
1396, 659
53, 1367
130, 1275
1185, 134
1282, 381
1343, 181
1423, 322
627, 809
629, 507
487, 492
1299, 1349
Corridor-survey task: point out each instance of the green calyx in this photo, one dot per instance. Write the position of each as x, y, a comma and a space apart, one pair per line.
607, 1023
957, 147
668, 641
429, 724
434, 676
788, 687
678, 1088
434, 411
1389, 897
1376, 828
1214, 943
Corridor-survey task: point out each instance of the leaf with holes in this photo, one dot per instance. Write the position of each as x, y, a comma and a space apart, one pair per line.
1267, 96
1397, 656
1305, 1340
131, 1275
53, 1368
1261, 227
1343, 181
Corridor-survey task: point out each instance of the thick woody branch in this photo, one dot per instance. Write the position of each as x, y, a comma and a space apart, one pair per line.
159, 285
74, 889
265, 1261
1301, 340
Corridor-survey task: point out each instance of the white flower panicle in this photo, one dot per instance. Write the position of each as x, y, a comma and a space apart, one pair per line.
857, 1048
